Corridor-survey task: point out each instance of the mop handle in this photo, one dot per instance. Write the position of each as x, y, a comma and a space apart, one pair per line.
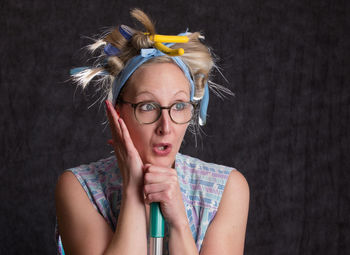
156, 229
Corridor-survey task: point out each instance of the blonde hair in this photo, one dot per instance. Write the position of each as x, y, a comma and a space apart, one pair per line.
197, 57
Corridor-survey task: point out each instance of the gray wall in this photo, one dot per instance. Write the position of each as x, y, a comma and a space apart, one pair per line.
286, 129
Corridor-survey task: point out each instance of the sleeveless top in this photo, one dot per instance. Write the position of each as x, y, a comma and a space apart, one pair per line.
201, 185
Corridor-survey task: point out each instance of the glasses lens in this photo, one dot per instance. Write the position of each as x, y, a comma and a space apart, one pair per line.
147, 112
181, 112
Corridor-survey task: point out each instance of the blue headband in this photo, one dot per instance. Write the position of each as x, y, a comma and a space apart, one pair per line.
137, 61
145, 55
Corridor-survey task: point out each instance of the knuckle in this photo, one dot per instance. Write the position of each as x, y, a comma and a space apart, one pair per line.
168, 195
149, 197
170, 186
151, 169
153, 197
147, 177
174, 178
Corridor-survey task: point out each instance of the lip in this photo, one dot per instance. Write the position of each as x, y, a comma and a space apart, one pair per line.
165, 152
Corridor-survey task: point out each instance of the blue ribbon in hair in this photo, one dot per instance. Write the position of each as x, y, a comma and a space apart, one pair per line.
110, 50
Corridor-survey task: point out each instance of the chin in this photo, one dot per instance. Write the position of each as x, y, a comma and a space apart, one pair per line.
161, 161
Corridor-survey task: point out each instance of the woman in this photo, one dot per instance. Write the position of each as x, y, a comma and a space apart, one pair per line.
156, 92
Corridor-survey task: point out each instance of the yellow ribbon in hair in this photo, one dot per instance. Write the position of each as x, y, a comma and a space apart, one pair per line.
160, 39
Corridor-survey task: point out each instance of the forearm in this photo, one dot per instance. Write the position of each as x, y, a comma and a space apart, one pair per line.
130, 236
181, 241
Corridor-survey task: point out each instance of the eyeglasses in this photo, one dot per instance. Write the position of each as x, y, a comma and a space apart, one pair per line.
149, 112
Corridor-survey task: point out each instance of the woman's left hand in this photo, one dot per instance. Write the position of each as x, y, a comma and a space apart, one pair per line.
161, 185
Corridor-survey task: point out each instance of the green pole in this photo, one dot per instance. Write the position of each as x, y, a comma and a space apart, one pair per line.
156, 229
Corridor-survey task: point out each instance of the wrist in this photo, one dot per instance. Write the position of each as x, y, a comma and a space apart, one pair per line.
182, 234
133, 193
180, 226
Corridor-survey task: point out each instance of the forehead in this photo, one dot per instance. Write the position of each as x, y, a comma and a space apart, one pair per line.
158, 79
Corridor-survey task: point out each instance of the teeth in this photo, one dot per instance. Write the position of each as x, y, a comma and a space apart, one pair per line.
161, 148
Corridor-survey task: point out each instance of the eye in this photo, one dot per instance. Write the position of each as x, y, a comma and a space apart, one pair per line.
147, 107
180, 106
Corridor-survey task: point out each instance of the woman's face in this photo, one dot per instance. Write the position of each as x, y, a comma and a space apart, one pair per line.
165, 84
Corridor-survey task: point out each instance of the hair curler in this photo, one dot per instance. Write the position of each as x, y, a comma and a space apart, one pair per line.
160, 39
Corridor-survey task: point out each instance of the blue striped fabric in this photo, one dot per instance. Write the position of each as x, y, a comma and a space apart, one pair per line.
201, 184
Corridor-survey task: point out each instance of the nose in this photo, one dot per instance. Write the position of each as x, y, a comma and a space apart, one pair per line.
164, 123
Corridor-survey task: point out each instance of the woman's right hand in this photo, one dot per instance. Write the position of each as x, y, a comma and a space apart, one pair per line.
129, 161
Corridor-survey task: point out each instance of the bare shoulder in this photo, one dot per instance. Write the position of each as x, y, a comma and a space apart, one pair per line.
236, 185
226, 233
68, 192
235, 199
66, 183
81, 227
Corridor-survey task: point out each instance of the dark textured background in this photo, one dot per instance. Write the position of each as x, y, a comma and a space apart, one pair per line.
286, 130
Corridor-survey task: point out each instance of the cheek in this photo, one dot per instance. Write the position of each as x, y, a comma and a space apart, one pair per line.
131, 123
141, 138
139, 134
181, 133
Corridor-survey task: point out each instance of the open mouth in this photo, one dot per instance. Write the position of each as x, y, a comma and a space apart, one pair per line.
162, 149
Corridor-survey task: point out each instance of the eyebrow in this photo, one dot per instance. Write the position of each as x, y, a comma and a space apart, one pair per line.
152, 94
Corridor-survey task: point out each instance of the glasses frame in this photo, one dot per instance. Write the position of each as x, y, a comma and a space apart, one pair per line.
134, 105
